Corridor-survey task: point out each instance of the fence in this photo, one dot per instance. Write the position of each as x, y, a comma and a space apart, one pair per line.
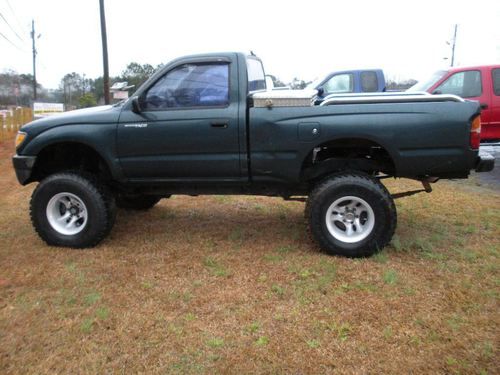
12, 120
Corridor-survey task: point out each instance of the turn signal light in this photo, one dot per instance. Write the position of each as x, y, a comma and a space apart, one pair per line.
475, 133
20, 137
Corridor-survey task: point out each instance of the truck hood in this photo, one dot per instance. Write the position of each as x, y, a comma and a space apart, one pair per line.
96, 115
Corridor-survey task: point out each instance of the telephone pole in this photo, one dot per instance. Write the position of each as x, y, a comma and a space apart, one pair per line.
34, 58
453, 46
104, 53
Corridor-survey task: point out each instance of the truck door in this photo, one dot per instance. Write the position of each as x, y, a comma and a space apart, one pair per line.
495, 105
187, 126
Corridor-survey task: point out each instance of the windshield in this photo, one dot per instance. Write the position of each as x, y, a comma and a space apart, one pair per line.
426, 84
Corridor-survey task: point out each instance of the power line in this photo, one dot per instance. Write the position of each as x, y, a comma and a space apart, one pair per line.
8, 24
15, 16
8, 40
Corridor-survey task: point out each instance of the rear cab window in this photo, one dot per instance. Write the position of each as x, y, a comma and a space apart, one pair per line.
256, 76
369, 81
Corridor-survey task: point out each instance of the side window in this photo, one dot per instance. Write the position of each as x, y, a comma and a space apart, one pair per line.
190, 85
465, 84
340, 83
496, 81
369, 82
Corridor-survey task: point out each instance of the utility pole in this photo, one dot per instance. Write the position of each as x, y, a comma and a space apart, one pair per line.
34, 58
453, 46
104, 53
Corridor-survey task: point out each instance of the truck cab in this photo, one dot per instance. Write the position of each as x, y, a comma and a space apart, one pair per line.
480, 83
349, 82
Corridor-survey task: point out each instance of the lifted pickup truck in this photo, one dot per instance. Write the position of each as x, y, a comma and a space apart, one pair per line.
205, 124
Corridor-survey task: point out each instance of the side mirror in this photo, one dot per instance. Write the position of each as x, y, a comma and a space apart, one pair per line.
321, 91
136, 105
436, 92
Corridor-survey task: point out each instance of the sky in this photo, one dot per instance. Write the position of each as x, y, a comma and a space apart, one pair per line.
303, 39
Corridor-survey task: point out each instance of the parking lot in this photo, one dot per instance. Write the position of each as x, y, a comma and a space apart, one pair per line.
491, 179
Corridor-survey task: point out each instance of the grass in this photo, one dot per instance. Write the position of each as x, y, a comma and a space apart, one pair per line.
215, 342
215, 267
170, 292
390, 277
262, 341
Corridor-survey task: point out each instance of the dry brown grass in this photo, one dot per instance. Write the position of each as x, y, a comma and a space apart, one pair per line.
233, 285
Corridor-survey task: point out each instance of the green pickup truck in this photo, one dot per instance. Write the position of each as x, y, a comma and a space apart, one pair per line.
205, 124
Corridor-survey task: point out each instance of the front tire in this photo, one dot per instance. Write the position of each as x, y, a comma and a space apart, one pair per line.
352, 215
72, 210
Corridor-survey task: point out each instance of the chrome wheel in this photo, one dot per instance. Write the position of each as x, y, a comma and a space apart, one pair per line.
67, 214
350, 219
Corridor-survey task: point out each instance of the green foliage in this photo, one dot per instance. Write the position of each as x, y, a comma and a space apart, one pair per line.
278, 290
254, 327
87, 100
102, 313
92, 298
86, 325
136, 74
215, 342
390, 277
262, 341
313, 344
215, 267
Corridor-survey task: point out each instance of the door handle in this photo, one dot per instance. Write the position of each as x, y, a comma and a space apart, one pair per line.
219, 124
484, 106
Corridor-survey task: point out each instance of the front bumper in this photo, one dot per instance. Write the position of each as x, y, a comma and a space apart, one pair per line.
23, 166
485, 162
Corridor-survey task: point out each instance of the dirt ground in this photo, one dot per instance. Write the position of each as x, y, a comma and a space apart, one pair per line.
232, 284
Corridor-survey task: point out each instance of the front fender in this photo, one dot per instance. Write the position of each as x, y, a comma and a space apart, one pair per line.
99, 137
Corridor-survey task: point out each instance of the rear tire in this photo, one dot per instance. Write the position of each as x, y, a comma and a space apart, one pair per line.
137, 202
72, 210
352, 215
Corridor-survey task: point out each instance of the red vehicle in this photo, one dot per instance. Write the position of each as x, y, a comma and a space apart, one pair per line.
481, 83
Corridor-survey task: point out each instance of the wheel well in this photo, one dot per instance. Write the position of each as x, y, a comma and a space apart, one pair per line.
69, 156
347, 154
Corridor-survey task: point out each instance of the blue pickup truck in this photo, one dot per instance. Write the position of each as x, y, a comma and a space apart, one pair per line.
349, 82
205, 124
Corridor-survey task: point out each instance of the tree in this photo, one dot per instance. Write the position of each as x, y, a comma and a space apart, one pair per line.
87, 100
136, 74
276, 81
393, 84
72, 86
298, 84
16, 89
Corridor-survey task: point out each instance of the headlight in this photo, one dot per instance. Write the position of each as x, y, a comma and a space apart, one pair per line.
20, 137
